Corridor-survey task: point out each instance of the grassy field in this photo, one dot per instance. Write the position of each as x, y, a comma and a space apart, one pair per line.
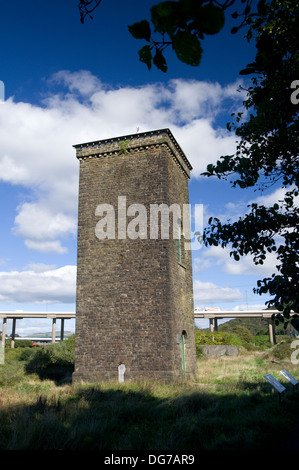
229, 407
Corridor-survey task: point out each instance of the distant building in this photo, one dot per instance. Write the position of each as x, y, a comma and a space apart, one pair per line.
134, 308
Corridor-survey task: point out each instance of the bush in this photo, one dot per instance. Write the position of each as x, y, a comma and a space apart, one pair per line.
53, 361
26, 354
23, 343
282, 350
202, 338
243, 333
262, 342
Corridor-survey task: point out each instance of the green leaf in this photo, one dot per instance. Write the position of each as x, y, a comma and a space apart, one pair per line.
211, 19
187, 47
141, 30
159, 61
247, 71
145, 55
163, 16
295, 323
261, 7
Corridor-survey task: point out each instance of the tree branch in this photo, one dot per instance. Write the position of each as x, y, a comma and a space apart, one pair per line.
86, 7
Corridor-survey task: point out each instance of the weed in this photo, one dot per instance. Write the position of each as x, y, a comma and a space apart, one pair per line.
230, 407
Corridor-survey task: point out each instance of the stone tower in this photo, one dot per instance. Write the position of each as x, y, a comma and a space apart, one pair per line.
134, 309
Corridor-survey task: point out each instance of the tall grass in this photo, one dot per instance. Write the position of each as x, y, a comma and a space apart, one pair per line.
229, 407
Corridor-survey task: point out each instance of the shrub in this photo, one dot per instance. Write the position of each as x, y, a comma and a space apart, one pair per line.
262, 342
202, 338
243, 333
23, 343
282, 350
26, 354
53, 361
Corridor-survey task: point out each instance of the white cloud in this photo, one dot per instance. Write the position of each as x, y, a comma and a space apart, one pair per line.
40, 267
246, 265
82, 81
208, 292
203, 144
236, 209
11, 172
41, 226
219, 258
276, 196
193, 99
36, 140
46, 246
39, 285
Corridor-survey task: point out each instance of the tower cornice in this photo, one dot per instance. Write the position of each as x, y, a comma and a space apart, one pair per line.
135, 142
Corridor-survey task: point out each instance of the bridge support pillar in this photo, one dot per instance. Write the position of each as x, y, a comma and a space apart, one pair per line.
13, 335
213, 324
4, 331
53, 330
62, 329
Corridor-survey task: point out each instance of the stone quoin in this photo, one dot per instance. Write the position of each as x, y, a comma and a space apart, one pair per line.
134, 299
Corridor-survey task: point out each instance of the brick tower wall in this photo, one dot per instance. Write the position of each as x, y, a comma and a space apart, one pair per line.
134, 298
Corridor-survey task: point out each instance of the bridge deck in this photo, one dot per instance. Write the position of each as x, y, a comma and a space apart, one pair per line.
212, 316
20, 315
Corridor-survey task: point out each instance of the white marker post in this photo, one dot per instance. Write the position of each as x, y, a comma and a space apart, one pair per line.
121, 373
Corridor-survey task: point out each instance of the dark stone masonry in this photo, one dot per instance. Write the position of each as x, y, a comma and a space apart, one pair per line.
134, 293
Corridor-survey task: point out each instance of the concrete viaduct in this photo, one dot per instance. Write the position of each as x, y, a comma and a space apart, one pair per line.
212, 316
222, 314
20, 315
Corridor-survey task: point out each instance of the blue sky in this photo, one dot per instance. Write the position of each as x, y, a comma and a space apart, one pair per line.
67, 83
